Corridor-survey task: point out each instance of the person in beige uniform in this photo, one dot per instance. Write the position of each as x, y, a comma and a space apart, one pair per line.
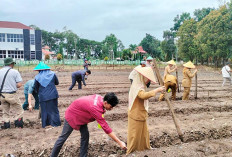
170, 81
138, 134
187, 79
171, 67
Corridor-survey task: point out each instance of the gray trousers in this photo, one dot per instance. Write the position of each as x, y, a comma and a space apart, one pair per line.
224, 80
67, 130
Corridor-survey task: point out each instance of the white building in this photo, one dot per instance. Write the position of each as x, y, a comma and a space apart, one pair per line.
20, 41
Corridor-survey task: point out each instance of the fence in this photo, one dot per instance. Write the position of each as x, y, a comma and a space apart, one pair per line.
74, 62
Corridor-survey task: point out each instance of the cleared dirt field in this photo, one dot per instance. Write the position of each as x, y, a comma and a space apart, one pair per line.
205, 122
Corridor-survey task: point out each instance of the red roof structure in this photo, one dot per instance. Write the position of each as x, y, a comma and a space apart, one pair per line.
139, 49
7, 24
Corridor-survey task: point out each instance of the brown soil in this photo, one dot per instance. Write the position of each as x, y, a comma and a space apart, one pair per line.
205, 121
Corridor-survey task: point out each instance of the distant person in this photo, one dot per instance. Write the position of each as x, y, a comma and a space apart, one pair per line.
29, 92
45, 85
86, 64
149, 61
9, 99
226, 73
83, 111
187, 79
171, 67
79, 76
134, 72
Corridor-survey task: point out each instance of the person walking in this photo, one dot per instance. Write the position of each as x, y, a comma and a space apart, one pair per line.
226, 73
45, 85
79, 76
138, 135
170, 81
29, 92
8, 96
187, 79
83, 111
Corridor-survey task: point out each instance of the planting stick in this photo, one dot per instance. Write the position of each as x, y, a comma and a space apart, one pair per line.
195, 95
178, 89
168, 101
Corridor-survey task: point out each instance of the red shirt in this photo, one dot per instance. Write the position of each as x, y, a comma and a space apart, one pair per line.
87, 109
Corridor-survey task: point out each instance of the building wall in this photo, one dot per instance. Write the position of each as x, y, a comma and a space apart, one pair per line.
30, 47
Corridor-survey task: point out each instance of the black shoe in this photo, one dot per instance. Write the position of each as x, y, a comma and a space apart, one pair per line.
19, 123
5, 125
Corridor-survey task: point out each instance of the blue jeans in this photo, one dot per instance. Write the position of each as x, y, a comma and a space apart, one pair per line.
36, 97
67, 130
74, 80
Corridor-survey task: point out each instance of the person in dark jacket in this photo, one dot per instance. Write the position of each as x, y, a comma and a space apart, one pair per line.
86, 64
45, 85
79, 76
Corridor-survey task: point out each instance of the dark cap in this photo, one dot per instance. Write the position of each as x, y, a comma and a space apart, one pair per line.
8, 61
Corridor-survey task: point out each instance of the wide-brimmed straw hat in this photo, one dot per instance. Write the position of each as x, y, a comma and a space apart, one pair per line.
41, 66
149, 58
146, 72
189, 64
171, 62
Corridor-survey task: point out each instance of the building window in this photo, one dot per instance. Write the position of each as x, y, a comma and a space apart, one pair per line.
33, 55
2, 53
15, 38
16, 54
32, 39
2, 37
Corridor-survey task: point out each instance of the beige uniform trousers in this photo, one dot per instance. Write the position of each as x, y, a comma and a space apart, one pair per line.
186, 93
11, 107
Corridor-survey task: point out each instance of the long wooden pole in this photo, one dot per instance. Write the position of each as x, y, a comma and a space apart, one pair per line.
178, 89
168, 101
195, 95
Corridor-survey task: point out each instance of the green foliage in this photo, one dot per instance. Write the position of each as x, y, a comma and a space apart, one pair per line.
179, 20
126, 54
106, 58
201, 13
186, 46
151, 45
168, 46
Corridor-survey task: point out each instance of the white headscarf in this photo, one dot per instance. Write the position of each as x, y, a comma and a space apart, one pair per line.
137, 85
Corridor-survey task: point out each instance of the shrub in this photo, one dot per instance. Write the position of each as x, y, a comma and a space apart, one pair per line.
59, 57
106, 58
47, 57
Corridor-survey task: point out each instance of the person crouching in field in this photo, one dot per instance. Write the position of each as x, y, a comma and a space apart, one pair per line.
138, 134
187, 79
79, 76
83, 111
226, 74
170, 81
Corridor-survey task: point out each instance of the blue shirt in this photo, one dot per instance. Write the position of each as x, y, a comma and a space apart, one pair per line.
29, 87
80, 74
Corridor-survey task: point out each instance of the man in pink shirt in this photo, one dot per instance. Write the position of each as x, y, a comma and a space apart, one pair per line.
82, 111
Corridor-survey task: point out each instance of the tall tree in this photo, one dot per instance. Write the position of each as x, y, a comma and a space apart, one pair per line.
187, 49
179, 20
215, 35
167, 45
199, 14
151, 45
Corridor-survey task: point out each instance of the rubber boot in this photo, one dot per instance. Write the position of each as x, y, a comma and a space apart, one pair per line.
6, 125
19, 123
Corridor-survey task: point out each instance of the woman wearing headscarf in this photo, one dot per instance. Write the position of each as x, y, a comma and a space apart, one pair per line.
138, 135
45, 84
187, 79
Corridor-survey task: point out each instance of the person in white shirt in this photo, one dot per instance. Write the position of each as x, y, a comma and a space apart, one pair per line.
226, 73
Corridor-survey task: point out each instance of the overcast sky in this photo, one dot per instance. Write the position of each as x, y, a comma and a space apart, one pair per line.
129, 20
